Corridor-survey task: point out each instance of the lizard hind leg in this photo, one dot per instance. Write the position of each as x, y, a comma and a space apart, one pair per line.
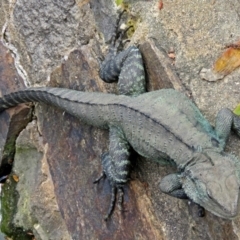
118, 34
116, 167
116, 183
111, 66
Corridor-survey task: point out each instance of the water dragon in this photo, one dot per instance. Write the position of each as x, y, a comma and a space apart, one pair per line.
162, 125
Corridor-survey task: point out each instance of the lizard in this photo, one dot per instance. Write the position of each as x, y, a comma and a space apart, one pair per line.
162, 125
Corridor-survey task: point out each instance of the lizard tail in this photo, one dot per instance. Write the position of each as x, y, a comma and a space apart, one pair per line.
23, 96
92, 108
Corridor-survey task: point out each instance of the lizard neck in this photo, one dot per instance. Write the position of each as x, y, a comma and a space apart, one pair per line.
200, 156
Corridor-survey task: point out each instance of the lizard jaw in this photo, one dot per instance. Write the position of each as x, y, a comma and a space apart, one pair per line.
214, 186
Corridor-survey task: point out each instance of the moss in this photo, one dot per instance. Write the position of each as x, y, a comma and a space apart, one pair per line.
9, 199
9, 150
132, 21
119, 2
122, 4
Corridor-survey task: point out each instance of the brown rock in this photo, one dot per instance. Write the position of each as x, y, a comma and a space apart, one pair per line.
45, 34
14, 120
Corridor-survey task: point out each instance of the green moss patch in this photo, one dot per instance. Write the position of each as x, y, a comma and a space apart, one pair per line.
9, 199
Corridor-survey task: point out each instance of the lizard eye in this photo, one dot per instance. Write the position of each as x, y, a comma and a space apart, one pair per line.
209, 194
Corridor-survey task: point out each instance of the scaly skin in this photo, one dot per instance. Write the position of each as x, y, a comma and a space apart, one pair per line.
181, 134
162, 125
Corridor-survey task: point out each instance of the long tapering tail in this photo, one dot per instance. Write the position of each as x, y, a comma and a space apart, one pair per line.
41, 94
93, 108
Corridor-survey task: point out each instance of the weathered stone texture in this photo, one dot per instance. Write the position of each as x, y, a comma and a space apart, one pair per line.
37, 208
44, 32
57, 43
13, 120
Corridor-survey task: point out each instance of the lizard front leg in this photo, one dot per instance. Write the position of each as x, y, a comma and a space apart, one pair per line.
171, 185
225, 121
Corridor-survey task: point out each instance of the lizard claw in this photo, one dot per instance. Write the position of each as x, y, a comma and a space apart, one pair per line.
116, 32
103, 175
115, 191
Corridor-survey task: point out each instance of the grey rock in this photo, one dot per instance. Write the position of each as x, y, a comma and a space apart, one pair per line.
37, 208
43, 39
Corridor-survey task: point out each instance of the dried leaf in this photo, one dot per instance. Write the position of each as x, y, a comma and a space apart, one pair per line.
15, 177
229, 60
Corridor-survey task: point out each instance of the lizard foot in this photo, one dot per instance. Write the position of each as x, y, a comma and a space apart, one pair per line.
115, 191
118, 34
116, 172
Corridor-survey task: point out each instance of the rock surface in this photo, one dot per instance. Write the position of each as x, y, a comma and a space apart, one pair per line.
37, 208
57, 43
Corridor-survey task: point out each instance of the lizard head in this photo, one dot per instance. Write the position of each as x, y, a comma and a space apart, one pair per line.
213, 183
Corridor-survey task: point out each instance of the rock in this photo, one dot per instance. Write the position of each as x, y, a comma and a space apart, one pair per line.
57, 44
37, 208
13, 120
210, 75
29, 195
159, 68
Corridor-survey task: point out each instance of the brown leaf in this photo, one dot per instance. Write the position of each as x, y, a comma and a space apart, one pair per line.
15, 177
229, 60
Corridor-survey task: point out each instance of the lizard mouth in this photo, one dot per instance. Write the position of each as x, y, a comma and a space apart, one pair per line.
228, 212
224, 213
214, 186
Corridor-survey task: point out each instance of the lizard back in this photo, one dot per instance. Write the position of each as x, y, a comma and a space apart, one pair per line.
159, 124
166, 124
